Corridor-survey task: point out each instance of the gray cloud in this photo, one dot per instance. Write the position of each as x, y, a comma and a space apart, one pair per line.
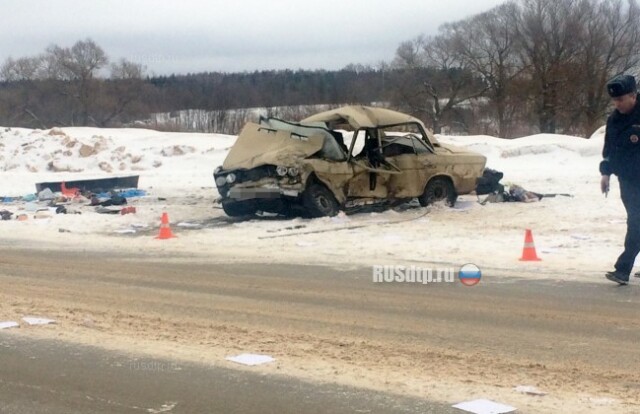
199, 35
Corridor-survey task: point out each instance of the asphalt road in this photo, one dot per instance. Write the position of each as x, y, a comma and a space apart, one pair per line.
569, 337
47, 376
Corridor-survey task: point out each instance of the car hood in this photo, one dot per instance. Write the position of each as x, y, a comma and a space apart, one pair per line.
257, 145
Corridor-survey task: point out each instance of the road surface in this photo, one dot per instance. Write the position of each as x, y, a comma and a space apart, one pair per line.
439, 342
48, 376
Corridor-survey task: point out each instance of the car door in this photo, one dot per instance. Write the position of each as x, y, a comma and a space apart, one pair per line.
370, 175
415, 161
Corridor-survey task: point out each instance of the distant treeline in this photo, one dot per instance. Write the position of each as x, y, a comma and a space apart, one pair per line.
78, 91
523, 67
269, 88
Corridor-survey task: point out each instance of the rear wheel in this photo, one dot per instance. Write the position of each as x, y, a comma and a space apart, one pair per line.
318, 201
439, 188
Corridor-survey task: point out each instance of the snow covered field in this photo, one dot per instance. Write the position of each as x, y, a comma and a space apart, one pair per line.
577, 237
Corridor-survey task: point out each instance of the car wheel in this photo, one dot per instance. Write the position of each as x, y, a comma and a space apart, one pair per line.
319, 201
238, 208
437, 189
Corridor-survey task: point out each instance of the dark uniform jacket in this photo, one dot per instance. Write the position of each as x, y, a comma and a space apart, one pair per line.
621, 150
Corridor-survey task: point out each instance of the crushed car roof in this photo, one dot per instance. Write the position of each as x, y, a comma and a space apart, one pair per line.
358, 116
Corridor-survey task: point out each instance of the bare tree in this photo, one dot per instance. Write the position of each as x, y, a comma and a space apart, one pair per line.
410, 74
610, 46
460, 83
21, 69
410, 53
435, 78
82, 61
487, 44
120, 92
549, 34
78, 66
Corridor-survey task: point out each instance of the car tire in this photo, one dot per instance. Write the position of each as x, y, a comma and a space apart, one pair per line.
439, 188
318, 201
238, 208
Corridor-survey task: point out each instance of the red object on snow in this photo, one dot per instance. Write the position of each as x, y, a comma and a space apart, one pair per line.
69, 192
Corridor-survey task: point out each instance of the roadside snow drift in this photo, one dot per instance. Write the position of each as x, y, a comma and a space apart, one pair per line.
577, 237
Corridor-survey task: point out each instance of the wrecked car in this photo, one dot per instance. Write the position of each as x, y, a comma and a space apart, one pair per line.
340, 159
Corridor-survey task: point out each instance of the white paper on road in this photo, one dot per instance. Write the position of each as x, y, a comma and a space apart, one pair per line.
250, 359
9, 324
484, 407
37, 321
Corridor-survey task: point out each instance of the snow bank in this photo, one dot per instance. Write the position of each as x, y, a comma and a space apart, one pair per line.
168, 160
572, 234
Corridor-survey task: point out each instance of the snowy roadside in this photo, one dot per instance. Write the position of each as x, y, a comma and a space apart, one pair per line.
578, 238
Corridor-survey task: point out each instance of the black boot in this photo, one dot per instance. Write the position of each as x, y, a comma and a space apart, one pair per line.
618, 277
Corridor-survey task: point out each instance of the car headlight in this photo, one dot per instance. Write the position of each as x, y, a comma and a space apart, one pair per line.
293, 172
220, 181
281, 171
217, 170
231, 178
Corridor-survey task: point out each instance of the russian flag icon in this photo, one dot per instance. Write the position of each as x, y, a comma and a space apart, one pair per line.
470, 274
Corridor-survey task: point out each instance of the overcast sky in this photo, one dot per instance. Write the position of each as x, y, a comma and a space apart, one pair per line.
182, 36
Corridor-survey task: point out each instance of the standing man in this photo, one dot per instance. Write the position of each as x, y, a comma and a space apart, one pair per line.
621, 154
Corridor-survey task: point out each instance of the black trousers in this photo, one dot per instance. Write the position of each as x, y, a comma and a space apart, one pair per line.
630, 194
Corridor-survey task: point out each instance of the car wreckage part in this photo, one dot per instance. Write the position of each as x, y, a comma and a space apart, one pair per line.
284, 171
240, 194
221, 181
439, 188
319, 201
239, 208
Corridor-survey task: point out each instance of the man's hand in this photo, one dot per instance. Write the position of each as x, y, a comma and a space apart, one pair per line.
604, 184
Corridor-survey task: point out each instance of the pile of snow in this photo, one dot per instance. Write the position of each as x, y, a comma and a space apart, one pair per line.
546, 157
172, 160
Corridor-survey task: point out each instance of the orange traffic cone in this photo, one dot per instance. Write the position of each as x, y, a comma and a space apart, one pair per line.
529, 251
165, 230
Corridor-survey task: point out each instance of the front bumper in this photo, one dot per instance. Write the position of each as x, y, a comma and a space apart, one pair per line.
250, 193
